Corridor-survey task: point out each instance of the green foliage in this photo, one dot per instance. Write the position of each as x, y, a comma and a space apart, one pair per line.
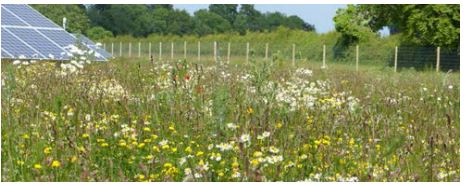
209, 23
351, 23
77, 20
143, 20
98, 33
419, 25
226, 11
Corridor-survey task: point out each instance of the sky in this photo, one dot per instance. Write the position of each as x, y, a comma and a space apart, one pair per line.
320, 15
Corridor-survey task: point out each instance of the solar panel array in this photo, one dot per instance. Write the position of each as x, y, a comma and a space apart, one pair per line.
27, 34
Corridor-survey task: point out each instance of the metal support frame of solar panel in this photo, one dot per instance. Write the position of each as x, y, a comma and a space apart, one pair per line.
39, 38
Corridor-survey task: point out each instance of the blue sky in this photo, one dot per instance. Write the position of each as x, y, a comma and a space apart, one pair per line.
320, 15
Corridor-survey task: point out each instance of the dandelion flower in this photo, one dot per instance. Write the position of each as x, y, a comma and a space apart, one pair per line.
56, 164
37, 166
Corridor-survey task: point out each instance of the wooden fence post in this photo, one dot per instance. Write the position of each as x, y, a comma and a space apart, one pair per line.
247, 53
139, 50
172, 51
229, 51
395, 60
214, 51
130, 46
324, 56
104, 46
266, 52
160, 51
112, 49
293, 54
438, 59
185, 50
150, 49
120, 49
356, 58
198, 51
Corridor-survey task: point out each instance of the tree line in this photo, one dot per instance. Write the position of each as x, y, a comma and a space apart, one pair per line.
413, 24
103, 20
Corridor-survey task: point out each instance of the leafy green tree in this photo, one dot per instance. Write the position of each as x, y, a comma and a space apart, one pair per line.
248, 19
210, 23
226, 11
425, 25
352, 24
98, 33
77, 20
179, 23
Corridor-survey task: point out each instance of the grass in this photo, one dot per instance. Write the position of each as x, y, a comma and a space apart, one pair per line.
132, 120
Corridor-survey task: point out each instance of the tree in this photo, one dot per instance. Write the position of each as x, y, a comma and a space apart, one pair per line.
248, 19
352, 24
226, 11
77, 20
180, 23
425, 25
122, 19
98, 33
209, 23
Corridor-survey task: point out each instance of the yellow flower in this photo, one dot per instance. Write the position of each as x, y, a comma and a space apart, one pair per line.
146, 129
235, 164
73, 159
37, 166
254, 162
279, 125
154, 136
351, 141
257, 154
155, 148
104, 145
25, 136
148, 140
199, 153
47, 150
174, 149
122, 143
141, 145
164, 147
220, 174
56, 164
100, 140
250, 110
20, 162
168, 165
85, 135
188, 150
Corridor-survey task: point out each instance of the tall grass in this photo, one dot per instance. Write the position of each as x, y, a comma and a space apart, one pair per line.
189, 121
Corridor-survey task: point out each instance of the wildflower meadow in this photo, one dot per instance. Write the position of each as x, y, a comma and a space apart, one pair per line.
137, 120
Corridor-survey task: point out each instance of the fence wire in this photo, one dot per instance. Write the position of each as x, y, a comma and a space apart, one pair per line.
407, 57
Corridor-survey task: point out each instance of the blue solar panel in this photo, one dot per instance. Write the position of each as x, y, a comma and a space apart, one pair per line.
6, 55
16, 48
10, 19
94, 47
61, 37
39, 42
29, 34
31, 16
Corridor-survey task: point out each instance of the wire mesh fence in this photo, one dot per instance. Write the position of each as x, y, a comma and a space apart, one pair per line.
421, 58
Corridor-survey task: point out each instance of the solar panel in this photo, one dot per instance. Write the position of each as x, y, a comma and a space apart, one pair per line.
93, 46
28, 34
31, 16
15, 48
10, 19
36, 40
